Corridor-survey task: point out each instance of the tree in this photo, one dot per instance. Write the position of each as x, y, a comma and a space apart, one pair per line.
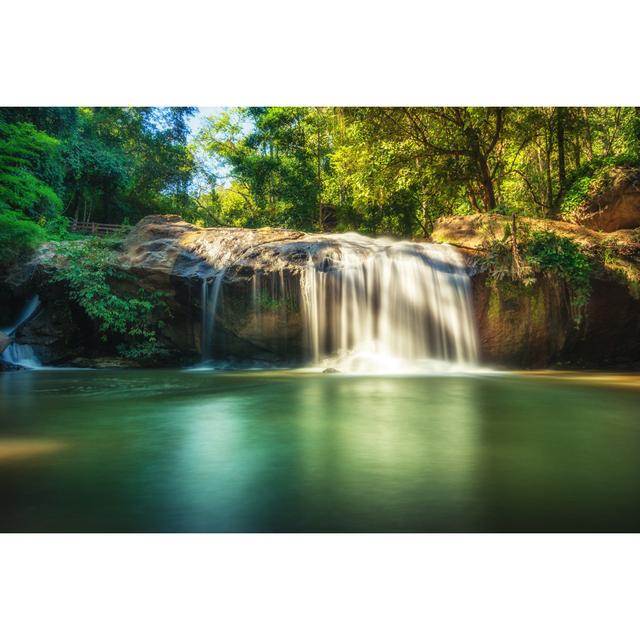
24, 151
390, 170
114, 164
26, 201
279, 155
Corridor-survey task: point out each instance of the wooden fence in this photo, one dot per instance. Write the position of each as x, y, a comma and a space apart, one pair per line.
95, 228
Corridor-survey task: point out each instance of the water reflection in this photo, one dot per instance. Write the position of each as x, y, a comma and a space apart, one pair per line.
16, 449
173, 451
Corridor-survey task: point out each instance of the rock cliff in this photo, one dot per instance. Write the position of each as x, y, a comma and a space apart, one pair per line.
516, 328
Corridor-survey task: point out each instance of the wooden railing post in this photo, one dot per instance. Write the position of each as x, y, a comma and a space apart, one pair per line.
98, 228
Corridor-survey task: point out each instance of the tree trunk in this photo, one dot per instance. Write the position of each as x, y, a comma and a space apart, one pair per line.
321, 221
560, 122
425, 223
488, 191
472, 199
548, 151
585, 115
516, 268
488, 194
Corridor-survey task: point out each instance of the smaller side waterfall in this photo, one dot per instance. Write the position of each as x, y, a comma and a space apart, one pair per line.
28, 310
22, 355
211, 289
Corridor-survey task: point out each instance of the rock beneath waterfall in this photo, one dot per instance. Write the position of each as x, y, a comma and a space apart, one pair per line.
274, 295
5, 341
246, 285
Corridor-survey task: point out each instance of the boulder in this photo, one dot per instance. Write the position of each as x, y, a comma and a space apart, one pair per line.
472, 232
615, 202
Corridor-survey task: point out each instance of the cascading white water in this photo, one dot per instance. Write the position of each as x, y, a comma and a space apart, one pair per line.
211, 288
367, 305
389, 306
22, 355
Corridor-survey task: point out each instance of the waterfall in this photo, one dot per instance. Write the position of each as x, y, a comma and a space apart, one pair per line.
366, 305
28, 310
211, 288
388, 306
22, 355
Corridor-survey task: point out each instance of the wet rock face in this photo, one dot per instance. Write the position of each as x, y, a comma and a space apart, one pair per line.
55, 333
520, 327
610, 336
535, 328
5, 341
164, 253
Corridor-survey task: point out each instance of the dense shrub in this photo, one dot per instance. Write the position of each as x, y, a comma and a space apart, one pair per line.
131, 321
549, 253
18, 235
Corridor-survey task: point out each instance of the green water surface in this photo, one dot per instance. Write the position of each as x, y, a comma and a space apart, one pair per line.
286, 451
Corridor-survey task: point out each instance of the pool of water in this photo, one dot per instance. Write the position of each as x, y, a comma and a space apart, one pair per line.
177, 450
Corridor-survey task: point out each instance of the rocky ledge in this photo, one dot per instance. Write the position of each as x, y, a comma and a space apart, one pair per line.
516, 328
534, 326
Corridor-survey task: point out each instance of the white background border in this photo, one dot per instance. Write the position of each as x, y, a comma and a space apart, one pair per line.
302, 586
334, 52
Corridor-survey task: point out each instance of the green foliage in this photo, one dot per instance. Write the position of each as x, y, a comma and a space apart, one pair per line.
551, 254
496, 260
27, 204
23, 151
397, 170
378, 170
267, 302
577, 194
278, 161
132, 320
544, 254
17, 236
100, 163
